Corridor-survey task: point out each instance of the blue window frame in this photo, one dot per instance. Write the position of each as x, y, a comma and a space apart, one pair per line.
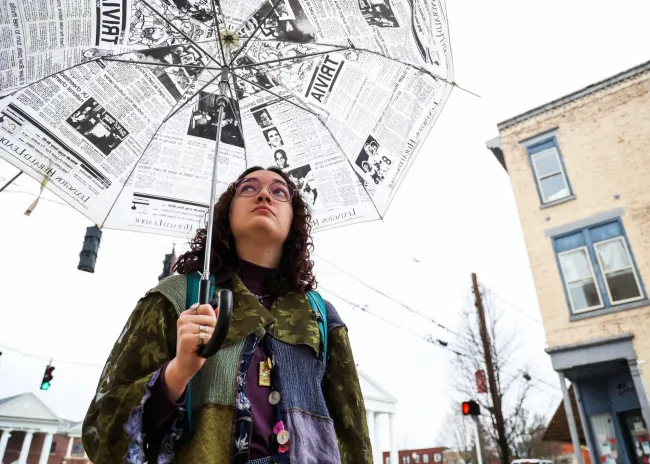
598, 268
551, 179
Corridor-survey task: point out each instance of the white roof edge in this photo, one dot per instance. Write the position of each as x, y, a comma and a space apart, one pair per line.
390, 398
494, 143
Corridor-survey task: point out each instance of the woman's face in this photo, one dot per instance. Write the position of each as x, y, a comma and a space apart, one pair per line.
274, 138
261, 214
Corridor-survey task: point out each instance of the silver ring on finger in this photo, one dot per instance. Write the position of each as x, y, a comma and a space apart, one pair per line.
203, 329
201, 339
195, 308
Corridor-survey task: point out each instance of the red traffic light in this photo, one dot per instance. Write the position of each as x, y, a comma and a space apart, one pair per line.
471, 408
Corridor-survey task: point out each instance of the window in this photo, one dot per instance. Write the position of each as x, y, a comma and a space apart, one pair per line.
598, 268
580, 280
619, 273
78, 448
548, 168
53, 447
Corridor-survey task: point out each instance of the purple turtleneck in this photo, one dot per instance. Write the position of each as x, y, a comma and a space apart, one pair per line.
159, 409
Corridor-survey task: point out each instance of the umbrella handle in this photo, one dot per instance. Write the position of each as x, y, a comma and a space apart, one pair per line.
223, 319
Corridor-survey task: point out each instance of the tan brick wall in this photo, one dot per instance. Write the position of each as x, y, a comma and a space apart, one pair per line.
604, 139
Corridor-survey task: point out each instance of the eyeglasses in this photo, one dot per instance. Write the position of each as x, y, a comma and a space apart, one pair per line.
250, 187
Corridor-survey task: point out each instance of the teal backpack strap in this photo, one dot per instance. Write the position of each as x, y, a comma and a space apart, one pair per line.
193, 283
318, 306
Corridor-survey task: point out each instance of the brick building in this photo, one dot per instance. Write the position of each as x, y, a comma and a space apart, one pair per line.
416, 456
30, 433
580, 168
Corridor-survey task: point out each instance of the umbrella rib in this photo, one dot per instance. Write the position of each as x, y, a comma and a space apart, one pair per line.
340, 149
216, 30
164, 65
255, 31
422, 70
186, 104
241, 26
100, 58
277, 68
238, 116
365, 50
148, 50
295, 58
135, 165
326, 128
179, 31
278, 96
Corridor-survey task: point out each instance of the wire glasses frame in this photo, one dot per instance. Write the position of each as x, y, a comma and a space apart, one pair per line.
249, 187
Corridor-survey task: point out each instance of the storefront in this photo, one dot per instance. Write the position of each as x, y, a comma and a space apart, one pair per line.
610, 404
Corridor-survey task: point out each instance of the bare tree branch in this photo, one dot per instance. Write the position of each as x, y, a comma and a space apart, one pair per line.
511, 385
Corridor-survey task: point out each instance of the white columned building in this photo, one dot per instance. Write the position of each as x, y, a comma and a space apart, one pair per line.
28, 417
379, 403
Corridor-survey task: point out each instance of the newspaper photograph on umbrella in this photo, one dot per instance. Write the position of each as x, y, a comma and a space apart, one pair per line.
114, 104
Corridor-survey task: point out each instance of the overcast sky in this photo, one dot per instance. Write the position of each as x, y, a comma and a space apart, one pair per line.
455, 214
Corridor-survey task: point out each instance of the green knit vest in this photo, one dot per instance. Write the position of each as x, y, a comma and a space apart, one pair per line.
216, 382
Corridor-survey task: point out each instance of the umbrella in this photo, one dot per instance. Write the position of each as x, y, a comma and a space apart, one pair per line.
139, 113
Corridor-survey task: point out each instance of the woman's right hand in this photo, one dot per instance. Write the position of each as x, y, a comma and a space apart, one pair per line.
187, 362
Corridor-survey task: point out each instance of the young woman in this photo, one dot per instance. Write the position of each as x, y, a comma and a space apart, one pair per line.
268, 395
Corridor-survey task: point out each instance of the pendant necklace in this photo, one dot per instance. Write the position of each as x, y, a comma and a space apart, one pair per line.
266, 365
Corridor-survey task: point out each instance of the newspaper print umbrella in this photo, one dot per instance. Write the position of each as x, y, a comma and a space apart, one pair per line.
139, 112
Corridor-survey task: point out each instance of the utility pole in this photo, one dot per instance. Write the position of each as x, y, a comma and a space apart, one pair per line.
477, 441
496, 398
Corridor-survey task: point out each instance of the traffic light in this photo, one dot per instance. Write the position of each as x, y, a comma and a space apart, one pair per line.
47, 378
471, 408
88, 255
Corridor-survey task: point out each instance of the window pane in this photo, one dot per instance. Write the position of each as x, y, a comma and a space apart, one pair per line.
546, 162
622, 285
584, 294
575, 266
554, 187
613, 255
606, 231
605, 436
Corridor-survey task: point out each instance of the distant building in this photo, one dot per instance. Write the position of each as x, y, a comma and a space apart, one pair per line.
33, 434
379, 403
580, 169
417, 456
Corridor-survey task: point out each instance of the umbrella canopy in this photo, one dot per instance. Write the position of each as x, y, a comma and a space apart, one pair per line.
113, 104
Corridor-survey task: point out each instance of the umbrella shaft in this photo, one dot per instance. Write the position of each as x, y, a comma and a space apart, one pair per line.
222, 101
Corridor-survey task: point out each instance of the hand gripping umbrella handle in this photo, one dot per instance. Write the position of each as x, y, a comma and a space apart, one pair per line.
224, 304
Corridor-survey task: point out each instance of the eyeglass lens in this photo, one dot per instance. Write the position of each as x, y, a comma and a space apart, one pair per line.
250, 187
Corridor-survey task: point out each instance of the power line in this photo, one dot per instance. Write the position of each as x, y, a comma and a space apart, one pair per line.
48, 359
534, 319
405, 306
427, 338
416, 311
511, 375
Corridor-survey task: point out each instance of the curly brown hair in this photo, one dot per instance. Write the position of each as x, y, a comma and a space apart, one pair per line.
295, 272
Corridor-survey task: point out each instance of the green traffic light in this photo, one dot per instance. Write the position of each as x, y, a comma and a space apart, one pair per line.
45, 385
